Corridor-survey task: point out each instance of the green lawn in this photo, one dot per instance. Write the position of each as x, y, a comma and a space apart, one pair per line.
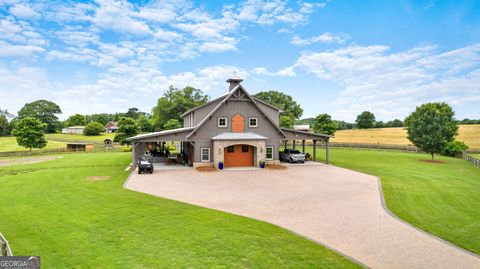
9, 143
440, 198
79, 137
50, 209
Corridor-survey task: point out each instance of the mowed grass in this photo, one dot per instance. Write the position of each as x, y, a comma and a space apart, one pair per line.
51, 209
440, 198
9, 143
80, 137
470, 134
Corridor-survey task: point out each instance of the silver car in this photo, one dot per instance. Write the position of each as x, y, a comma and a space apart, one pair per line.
292, 156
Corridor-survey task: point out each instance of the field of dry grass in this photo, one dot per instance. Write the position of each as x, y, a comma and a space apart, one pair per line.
470, 134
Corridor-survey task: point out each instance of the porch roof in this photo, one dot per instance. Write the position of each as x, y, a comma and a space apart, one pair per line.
180, 132
291, 134
239, 136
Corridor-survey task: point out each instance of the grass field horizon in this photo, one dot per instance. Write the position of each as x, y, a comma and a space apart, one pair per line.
470, 134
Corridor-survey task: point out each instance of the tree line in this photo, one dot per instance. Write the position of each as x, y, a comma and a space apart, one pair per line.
39, 117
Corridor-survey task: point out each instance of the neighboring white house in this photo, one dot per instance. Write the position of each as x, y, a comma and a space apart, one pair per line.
111, 127
73, 130
305, 128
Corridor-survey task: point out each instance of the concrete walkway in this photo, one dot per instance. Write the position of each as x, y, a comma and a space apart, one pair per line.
339, 208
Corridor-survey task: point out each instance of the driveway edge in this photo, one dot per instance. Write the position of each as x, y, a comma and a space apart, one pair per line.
384, 206
283, 228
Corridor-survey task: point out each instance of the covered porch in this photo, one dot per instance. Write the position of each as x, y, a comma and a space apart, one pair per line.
301, 139
166, 148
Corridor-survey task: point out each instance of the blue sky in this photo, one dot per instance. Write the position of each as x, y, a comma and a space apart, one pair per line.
336, 57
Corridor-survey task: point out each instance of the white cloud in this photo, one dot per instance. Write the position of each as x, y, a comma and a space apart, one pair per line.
391, 84
117, 15
24, 12
9, 50
325, 38
285, 72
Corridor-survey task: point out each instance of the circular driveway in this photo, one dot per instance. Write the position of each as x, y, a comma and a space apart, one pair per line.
336, 207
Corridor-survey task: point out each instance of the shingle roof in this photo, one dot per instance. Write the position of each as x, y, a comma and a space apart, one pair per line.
239, 136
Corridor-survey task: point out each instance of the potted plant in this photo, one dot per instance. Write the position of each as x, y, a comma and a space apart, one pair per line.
262, 164
220, 165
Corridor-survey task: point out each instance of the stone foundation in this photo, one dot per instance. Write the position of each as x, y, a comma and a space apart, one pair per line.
218, 150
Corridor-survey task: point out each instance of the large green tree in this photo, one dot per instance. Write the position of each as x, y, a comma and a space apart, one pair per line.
365, 120
144, 124
43, 110
103, 118
30, 133
291, 110
5, 126
172, 124
93, 128
134, 113
127, 127
174, 103
431, 127
324, 124
76, 120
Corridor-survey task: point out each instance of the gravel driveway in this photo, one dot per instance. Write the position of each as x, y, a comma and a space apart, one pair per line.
339, 208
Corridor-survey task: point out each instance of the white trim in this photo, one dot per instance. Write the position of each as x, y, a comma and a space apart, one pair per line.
266, 158
226, 122
253, 126
201, 155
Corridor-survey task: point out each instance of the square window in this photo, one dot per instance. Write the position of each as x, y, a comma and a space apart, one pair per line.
269, 153
231, 149
205, 154
222, 122
245, 148
252, 122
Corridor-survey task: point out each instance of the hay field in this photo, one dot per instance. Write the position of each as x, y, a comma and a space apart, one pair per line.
470, 134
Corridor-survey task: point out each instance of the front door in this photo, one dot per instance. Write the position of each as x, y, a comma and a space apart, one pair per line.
238, 156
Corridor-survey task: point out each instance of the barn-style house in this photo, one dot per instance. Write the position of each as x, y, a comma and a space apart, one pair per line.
236, 129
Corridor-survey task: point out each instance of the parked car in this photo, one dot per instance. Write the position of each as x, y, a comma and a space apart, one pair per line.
145, 164
292, 156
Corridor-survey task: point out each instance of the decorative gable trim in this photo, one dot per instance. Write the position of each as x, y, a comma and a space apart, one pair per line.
238, 96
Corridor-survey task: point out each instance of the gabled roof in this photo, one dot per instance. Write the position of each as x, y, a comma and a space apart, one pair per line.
222, 97
226, 98
206, 104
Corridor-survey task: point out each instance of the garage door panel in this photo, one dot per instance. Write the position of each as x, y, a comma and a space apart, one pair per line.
238, 156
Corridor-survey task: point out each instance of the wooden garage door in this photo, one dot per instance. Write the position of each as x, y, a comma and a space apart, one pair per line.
238, 156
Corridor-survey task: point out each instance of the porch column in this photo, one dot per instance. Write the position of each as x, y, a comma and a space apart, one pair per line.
293, 146
303, 146
327, 154
314, 150
286, 143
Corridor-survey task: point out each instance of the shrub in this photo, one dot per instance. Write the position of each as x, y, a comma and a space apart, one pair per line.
454, 148
93, 128
127, 150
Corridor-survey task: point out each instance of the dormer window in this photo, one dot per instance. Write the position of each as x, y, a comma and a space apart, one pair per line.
252, 122
222, 122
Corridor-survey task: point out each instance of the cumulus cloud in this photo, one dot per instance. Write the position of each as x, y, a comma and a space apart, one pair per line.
392, 83
325, 38
23, 11
285, 72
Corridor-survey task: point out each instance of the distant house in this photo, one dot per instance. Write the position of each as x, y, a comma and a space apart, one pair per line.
73, 130
305, 128
111, 127
235, 129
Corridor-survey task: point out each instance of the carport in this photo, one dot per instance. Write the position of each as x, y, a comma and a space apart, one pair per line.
295, 135
155, 144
